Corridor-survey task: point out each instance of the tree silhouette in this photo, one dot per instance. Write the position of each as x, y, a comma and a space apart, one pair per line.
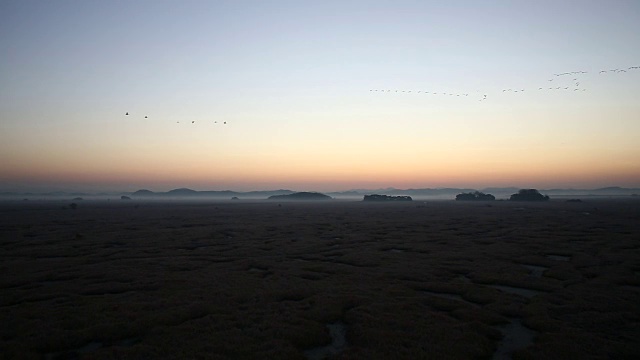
377, 197
475, 196
528, 195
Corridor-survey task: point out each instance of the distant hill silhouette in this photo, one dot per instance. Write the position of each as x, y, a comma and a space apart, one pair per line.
301, 196
185, 192
182, 192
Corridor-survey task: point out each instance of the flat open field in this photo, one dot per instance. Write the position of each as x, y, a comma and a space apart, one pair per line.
352, 280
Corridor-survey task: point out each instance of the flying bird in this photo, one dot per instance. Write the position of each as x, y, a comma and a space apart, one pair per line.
127, 113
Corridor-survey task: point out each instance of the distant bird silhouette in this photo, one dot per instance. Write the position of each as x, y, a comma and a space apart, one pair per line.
193, 122
145, 116
225, 123
127, 114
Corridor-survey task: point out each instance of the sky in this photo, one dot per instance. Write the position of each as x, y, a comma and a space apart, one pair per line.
318, 95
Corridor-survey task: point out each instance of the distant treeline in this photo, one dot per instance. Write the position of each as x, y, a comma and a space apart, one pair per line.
529, 195
376, 197
522, 195
475, 196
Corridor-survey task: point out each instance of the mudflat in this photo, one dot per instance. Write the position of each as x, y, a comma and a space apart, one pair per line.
340, 279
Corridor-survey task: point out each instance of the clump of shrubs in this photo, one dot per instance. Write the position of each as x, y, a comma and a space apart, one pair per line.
475, 196
528, 195
377, 197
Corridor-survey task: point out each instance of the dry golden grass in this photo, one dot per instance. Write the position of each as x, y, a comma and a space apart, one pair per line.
130, 280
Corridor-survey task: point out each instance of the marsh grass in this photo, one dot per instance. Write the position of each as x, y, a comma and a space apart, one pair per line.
253, 280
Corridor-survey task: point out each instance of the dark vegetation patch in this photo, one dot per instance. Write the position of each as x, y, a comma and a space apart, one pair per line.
301, 196
385, 198
250, 280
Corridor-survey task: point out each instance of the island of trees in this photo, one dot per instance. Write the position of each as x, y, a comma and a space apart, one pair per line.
376, 197
301, 196
475, 196
529, 195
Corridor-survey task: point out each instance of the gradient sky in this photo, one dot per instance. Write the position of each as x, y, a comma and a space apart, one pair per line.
292, 79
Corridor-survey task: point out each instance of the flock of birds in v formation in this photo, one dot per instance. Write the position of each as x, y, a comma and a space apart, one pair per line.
574, 87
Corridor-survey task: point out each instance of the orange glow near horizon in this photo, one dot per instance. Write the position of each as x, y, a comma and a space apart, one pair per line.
327, 175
